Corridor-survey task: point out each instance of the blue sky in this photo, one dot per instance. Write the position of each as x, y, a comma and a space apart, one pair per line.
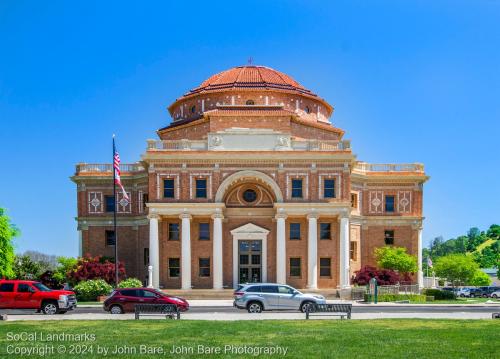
411, 81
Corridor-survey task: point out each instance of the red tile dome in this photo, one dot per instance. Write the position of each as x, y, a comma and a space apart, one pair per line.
250, 77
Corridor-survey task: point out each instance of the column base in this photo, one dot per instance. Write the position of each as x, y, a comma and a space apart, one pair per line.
312, 287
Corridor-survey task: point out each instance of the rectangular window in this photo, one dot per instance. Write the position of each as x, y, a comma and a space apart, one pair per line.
354, 200
353, 251
325, 267
389, 204
201, 188
296, 188
110, 203
295, 270
145, 200
204, 264
110, 238
174, 267
325, 231
146, 256
173, 231
294, 231
329, 188
6, 287
389, 238
168, 188
204, 232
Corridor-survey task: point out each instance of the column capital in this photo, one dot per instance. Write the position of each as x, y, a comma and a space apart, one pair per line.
217, 215
313, 215
153, 216
281, 216
185, 215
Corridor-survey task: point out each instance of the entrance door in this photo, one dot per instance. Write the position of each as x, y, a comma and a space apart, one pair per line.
250, 255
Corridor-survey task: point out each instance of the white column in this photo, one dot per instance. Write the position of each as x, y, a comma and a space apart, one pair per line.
420, 273
280, 248
154, 249
186, 251
344, 262
312, 252
217, 251
80, 243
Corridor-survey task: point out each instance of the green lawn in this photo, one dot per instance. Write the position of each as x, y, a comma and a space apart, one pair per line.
461, 301
411, 338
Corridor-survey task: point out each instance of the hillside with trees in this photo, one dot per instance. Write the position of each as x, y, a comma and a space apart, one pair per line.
482, 246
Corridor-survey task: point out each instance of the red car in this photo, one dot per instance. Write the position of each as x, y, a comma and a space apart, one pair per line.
123, 300
28, 294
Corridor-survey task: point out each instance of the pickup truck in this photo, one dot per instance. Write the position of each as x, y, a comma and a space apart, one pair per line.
27, 294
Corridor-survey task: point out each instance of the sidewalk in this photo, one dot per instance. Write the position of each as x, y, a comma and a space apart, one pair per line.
247, 316
229, 303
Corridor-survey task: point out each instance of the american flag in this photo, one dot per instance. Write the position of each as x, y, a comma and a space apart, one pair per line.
116, 166
429, 262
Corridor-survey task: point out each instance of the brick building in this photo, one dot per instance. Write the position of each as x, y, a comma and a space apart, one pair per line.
250, 182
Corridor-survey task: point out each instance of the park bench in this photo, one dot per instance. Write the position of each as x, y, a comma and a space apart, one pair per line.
321, 310
168, 310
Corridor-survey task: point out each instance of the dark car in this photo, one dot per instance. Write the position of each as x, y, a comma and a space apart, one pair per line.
123, 300
484, 292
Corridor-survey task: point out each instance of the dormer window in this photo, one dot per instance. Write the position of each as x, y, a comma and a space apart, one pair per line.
250, 103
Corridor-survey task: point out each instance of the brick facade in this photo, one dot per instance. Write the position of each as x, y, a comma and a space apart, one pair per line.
197, 146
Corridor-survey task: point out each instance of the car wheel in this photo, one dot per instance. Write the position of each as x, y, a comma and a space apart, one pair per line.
304, 307
116, 309
493, 296
254, 307
50, 308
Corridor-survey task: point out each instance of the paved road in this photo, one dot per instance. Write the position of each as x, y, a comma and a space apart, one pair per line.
355, 309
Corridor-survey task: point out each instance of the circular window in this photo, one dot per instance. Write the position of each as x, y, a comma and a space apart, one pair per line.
307, 109
249, 195
193, 109
250, 102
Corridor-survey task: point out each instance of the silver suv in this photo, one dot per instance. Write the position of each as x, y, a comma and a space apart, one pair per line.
256, 297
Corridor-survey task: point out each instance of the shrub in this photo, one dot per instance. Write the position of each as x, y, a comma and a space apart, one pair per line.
50, 279
397, 297
396, 258
383, 276
130, 283
89, 268
440, 294
480, 279
89, 290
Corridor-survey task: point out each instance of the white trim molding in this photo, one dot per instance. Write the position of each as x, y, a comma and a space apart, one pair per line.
249, 231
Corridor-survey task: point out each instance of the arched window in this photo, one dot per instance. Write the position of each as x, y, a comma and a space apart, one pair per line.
193, 109
307, 109
250, 103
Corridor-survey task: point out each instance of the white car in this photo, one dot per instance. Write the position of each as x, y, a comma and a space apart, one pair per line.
495, 294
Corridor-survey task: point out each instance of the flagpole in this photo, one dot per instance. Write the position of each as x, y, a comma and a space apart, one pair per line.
114, 212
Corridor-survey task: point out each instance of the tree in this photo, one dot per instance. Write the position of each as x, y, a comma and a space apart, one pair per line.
25, 268
480, 279
7, 233
457, 268
396, 258
65, 266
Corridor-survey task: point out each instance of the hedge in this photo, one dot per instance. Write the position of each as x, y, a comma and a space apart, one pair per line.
440, 294
398, 297
130, 283
89, 290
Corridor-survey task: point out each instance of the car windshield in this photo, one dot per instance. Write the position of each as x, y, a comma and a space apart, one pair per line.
160, 293
41, 287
